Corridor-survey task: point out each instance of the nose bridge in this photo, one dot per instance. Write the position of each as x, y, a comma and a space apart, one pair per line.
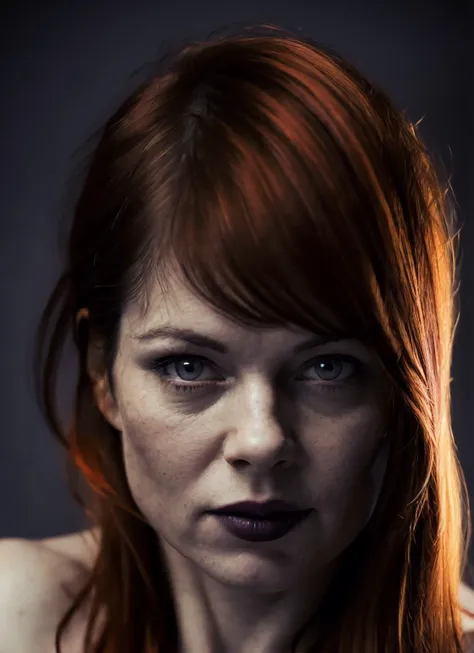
257, 435
261, 403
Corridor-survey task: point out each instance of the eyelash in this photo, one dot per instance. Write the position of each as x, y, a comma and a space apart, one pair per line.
159, 365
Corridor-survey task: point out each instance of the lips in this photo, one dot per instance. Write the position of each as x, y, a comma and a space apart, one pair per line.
275, 516
275, 508
261, 529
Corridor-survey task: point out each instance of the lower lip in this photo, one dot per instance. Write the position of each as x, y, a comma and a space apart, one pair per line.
261, 529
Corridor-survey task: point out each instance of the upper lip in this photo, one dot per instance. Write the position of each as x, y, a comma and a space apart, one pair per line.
260, 509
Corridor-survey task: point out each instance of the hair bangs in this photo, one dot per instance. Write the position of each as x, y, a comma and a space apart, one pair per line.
262, 232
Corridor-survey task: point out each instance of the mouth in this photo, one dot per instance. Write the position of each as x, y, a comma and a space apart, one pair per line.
253, 528
275, 508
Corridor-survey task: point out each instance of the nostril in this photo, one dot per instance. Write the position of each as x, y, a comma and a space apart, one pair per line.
240, 464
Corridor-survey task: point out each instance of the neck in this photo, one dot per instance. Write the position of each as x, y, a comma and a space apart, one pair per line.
217, 618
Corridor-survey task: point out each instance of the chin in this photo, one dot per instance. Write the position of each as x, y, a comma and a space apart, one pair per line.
253, 571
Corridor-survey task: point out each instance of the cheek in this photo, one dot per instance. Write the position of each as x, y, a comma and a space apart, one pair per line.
160, 448
342, 449
348, 457
159, 474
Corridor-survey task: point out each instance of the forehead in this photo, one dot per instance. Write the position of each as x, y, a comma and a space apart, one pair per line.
171, 302
167, 298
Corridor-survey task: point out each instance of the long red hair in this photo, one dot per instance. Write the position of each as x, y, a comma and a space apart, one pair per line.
290, 191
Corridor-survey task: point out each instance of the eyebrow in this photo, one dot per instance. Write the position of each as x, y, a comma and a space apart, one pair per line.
201, 340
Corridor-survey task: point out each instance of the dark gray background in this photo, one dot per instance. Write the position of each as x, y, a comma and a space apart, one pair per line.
65, 66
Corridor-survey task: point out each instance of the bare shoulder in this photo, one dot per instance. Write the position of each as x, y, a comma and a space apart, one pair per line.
75, 548
466, 599
38, 579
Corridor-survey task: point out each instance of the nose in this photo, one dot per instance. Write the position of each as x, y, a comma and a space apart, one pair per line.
257, 437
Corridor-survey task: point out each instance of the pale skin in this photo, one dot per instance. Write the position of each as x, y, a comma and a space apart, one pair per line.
267, 421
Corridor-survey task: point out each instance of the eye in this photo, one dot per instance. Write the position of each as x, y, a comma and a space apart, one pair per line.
332, 368
185, 372
188, 373
188, 369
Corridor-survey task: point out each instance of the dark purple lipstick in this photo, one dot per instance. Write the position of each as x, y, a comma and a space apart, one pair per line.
260, 522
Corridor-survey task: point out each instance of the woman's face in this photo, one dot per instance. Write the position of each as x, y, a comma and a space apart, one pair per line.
212, 413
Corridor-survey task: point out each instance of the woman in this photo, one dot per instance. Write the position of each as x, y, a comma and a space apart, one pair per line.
260, 283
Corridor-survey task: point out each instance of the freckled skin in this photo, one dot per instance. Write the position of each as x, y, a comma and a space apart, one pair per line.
256, 430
